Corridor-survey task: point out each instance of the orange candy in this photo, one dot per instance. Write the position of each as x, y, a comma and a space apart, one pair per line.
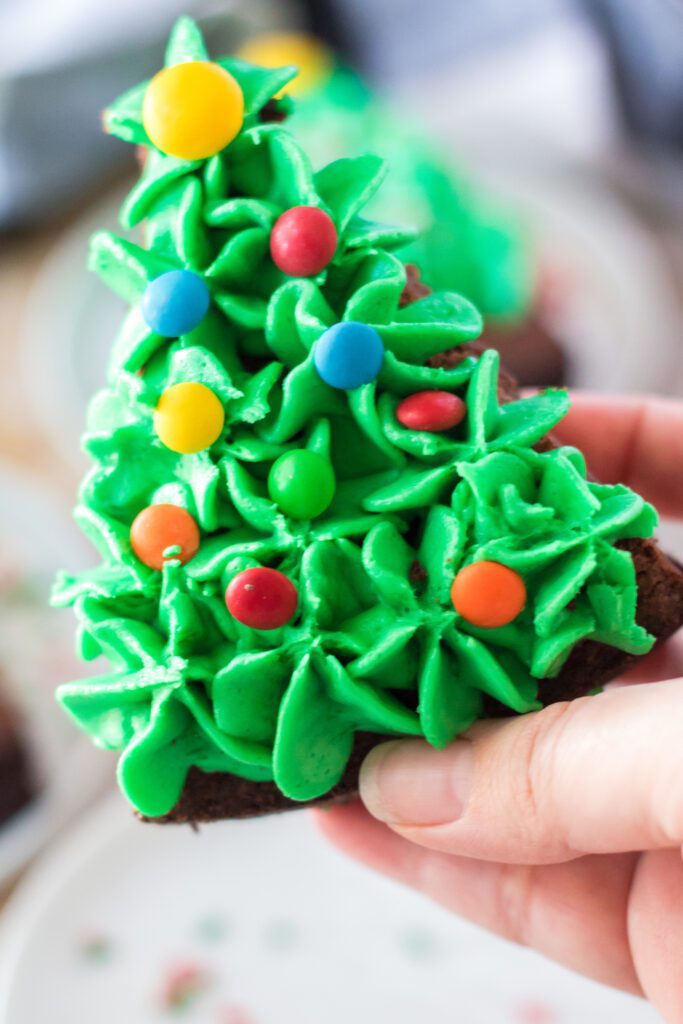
159, 527
488, 594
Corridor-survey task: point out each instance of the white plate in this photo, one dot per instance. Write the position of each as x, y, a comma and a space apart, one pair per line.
279, 928
36, 645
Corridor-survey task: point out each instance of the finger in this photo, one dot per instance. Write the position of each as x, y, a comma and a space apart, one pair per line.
665, 661
558, 910
655, 927
598, 775
632, 440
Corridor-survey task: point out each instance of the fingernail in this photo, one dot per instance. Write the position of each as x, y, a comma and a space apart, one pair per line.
407, 782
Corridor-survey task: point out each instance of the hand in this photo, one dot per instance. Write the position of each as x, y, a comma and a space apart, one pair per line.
561, 830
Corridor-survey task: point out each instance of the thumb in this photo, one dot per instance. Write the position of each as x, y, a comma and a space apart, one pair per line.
598, 775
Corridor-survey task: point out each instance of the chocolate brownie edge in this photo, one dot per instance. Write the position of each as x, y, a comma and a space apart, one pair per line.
213, 796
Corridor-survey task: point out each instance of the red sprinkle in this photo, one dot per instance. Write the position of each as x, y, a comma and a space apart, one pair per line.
235, 1015
183, 984
533, 1012
431, 410
303, 241
262, 598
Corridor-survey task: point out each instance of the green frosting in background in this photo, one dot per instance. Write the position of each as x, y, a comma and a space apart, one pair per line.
467, 242
376, 643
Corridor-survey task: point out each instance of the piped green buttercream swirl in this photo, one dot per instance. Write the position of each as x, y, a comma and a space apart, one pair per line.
376, 643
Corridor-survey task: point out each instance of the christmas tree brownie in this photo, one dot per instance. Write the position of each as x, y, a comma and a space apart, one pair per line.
316, 531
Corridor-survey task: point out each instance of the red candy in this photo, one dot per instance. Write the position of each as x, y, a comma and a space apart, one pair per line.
159, 527
431, 410
303, 241
262, 598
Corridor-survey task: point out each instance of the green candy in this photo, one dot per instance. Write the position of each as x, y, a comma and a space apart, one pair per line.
302, 483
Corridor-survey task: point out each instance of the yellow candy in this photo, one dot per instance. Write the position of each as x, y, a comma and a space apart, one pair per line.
274, 50
193, 110
188, 418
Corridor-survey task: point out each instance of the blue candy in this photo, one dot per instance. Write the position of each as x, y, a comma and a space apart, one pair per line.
175, 303
348, 355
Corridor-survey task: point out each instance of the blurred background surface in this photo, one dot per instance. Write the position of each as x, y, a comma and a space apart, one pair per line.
538, 146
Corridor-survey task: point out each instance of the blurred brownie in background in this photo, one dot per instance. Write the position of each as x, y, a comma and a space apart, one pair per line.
16, 784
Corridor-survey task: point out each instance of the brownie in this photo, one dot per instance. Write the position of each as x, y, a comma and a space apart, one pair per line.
414, 288
16, 788
273, 112
213, 796
527, 348
529, 351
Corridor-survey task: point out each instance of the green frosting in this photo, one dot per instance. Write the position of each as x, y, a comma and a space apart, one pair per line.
468, 242
376, 643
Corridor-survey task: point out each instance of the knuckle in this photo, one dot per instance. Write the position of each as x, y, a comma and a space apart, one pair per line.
540, 769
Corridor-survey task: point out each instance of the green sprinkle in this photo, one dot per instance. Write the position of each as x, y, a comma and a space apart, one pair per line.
280, 935
96, 948
419, 944
212, 929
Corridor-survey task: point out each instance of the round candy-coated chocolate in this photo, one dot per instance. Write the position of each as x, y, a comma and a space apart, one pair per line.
175, 303
348, 355
159, 527
431, 410
303, 241
189, 417
192, 110
261, 598
488, 594
302, 484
